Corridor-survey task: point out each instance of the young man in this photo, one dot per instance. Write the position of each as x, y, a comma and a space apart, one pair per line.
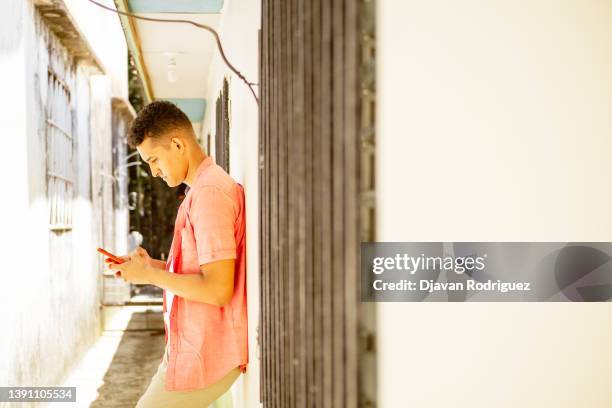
204, 279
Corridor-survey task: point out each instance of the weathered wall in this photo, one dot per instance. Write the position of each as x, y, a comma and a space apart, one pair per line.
15, 278
52, 312
116, 290
51, 304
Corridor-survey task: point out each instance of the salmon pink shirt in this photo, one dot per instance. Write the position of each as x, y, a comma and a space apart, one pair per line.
205, 341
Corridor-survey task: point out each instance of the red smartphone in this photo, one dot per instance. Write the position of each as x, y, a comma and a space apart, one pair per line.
115, 258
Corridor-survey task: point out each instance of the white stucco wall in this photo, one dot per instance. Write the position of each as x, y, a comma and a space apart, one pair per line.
49, 318
239, 33
13, 115
51, 315
494, 125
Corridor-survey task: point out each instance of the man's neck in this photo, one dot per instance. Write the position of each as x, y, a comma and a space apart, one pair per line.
195, 159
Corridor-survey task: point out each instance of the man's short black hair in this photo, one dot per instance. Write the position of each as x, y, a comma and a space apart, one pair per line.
155, 119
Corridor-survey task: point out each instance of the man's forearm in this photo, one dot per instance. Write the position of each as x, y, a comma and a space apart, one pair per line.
156, 263
191, 286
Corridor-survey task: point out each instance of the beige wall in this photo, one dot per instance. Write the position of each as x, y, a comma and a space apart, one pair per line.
494, 125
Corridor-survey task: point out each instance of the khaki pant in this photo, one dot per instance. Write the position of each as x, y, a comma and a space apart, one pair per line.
156, 395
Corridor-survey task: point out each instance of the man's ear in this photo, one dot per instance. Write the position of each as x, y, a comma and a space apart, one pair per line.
177, 143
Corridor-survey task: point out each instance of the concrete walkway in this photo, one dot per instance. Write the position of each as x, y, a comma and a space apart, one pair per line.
118, 368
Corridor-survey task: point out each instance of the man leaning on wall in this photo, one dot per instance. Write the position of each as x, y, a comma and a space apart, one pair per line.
204, 279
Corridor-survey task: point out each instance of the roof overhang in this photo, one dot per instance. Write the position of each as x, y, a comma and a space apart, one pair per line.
61, 23
173, 59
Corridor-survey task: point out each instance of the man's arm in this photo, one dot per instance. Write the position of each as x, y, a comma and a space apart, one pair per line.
157, 264
215, 285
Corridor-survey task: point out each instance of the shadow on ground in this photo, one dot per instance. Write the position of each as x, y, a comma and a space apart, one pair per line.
135, 362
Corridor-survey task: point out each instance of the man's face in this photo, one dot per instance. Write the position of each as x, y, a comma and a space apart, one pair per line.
166, 157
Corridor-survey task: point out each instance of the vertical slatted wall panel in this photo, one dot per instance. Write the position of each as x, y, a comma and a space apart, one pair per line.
367, 105
311, 204
351, 239
337, 197
316, 379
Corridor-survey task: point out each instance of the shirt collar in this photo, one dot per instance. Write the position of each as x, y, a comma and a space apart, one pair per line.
207, 162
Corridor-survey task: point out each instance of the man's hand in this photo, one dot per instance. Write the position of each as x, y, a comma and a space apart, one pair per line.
214, 285
135, 269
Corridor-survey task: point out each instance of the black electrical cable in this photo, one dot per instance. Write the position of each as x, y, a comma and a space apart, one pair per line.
202, 26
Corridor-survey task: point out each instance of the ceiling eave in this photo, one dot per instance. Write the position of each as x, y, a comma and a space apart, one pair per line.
133, 42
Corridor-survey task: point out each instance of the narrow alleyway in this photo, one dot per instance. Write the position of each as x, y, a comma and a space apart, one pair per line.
118, 368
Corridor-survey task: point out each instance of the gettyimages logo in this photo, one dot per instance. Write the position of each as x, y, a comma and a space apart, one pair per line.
486, 271
414, 264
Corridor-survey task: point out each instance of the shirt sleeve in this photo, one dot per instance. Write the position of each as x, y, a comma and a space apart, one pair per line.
212, 217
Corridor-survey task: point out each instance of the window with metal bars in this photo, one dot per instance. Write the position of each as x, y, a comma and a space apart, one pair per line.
222, 134
60, 154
